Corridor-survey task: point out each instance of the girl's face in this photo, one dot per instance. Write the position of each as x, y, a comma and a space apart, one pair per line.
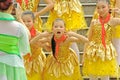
28, 20
102, 8
58, 28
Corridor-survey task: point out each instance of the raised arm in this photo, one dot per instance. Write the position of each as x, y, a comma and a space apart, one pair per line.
47, 8
73, 37
39, 36
115, 21
117, 5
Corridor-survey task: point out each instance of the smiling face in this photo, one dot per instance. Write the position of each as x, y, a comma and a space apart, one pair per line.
102, 8
28, 20
58, 28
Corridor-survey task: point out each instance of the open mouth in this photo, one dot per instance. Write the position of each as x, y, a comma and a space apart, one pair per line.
58, 32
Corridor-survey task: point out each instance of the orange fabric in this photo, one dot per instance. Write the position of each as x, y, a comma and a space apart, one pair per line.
58, 41
26, 1
103, 21
32, 31
21, 1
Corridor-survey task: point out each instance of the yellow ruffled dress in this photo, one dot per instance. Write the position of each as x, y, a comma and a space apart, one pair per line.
97, 60
65, 67
32, 5
35, 64
116, 34
70, 11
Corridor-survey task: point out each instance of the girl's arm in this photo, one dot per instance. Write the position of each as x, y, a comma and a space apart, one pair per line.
48, 7
117, 5
44, 43
89, 35
76, 37
39, 36
115, 21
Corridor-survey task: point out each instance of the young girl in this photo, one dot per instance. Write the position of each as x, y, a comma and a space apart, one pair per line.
34, 64
63, 63
72, 13
32, 5
100, 55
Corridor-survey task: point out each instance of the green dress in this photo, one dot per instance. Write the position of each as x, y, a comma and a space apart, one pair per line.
14, 43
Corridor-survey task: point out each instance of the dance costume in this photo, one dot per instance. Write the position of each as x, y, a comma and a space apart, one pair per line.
100, 60
116, 33
13, 44
70, 11
34, 64
63, 67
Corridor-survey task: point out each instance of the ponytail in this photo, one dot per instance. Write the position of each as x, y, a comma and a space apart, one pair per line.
53, 44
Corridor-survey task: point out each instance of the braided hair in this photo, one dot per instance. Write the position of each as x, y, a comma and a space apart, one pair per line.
53, 43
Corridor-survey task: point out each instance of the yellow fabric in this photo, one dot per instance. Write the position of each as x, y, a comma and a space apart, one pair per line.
34, 67
100, 68
70, 11
117, 32
98, 61
117, 29
33, 6
65, 67
119, 71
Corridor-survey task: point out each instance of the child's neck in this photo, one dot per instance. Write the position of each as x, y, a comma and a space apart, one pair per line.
104, 17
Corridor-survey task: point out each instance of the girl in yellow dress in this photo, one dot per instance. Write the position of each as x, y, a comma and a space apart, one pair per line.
100, 54
32, 5
71, 12
63, 63
34, 63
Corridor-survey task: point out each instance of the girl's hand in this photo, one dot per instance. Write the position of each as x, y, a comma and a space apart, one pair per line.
70, 33
116, 10
36, 14
19, 12
46, 34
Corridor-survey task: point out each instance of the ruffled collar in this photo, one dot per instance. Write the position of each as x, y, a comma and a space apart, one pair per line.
6, 16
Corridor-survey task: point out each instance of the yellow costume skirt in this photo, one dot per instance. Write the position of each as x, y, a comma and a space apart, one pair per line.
73, 21
100, 68
34, 64
119, 72
64, 70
